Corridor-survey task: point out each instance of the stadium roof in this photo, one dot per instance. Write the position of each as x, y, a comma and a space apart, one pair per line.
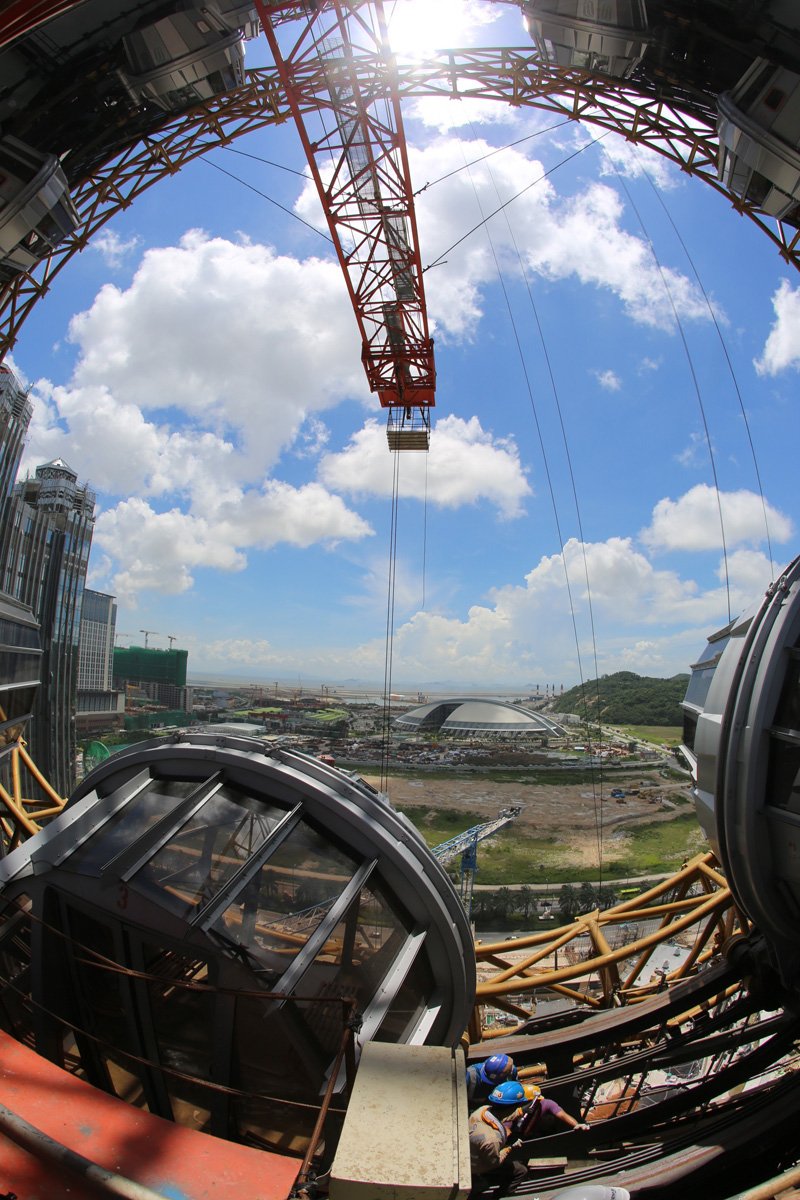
468, 714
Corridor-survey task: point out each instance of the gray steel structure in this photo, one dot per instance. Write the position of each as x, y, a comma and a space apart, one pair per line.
742, 740
262, 888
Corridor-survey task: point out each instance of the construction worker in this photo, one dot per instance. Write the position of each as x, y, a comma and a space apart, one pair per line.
490, 1139
539, 1116
482, 1078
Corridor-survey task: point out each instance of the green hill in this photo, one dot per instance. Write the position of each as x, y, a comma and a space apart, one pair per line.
627, 699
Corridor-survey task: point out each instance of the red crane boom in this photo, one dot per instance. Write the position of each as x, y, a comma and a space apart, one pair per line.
360, 167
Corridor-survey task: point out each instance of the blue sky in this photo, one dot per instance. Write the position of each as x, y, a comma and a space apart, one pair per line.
200, 366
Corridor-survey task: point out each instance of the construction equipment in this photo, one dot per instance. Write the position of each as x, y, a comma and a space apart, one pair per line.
360, 168
466, 844
147, 633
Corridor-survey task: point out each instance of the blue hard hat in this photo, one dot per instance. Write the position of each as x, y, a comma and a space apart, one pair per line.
508, 1093
495, 1068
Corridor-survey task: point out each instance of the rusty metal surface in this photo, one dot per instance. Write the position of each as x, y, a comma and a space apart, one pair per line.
178, 1162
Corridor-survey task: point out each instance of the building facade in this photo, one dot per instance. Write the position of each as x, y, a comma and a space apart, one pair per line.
99, 705
20, 644
47, 534
98, 629
160, 674
16, 411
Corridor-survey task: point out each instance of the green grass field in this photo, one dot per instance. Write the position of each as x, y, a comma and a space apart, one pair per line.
516, 856
667, 735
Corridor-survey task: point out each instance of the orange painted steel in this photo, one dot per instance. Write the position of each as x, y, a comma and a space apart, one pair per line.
711, 911
24, 814
166, 1157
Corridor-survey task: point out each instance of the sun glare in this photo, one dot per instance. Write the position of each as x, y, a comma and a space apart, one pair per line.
418, 27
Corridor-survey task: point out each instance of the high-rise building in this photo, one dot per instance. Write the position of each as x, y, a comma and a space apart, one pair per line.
20, 660
98, 627
16, 411
99, 705
44, 552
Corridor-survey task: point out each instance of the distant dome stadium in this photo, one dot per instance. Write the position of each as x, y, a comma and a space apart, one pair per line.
466, 715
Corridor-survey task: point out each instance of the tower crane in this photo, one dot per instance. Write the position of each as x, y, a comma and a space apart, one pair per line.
147, 633
466, 844
360, 168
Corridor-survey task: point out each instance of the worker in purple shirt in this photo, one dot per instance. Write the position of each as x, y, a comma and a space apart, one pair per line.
538, 1117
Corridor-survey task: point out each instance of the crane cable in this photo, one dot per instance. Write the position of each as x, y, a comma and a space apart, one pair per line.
724, 345
424, 535
692, 371
389, 643
545, 174
554, 503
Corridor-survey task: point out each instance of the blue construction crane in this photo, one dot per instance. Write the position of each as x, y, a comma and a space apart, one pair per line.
466, 844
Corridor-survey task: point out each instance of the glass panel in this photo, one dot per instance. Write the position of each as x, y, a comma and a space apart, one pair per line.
276, 913
207, 851
16, 1012
783, 775
275, 1064
104, 1006
14, 705
410, 1002
18, 668
183, 1022
127, 826
352, 964
699, 684
787, 714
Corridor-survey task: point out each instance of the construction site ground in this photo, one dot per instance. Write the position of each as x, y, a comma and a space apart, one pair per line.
561, 826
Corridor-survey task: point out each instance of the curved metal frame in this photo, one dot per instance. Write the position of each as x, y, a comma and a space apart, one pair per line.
509, 75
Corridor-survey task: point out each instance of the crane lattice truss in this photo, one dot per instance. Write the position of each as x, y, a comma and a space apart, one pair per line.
466, 844
359, 163
510, 75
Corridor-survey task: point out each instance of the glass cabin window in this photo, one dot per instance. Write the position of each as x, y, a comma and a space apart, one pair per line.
410, 1003
278, 910
275, 1062
183, 1024
16, 1012
129, 824
351, 964
104, 1009
783, 775
204, 854
787, 713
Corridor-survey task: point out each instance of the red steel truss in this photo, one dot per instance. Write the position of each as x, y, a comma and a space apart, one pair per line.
506, 75
359, 164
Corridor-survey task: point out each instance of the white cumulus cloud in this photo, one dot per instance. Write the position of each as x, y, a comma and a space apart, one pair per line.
782, 349
693, 521
158, 551
236, 336
466, 464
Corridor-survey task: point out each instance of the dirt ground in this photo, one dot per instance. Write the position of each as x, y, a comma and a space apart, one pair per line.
566, 812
